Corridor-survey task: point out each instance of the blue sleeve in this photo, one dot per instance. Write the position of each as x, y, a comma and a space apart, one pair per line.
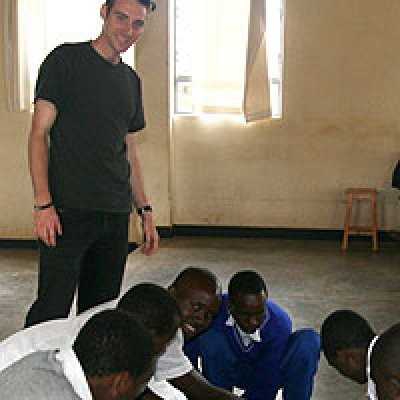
266, 379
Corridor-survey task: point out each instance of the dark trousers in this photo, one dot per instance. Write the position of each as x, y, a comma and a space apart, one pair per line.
89, 257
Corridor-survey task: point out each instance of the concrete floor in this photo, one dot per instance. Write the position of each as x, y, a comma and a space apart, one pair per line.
307, 278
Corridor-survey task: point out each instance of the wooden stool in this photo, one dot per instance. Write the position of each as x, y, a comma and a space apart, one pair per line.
372, 230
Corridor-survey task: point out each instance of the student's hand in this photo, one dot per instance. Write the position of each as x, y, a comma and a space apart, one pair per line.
150, 233
47, 225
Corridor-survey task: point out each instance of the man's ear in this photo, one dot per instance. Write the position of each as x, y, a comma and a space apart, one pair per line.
103, 11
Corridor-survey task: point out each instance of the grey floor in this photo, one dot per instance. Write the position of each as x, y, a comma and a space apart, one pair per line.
308, 278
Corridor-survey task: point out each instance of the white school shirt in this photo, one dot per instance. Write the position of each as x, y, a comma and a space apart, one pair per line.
61, 333
246, 338
74, 373
371, 384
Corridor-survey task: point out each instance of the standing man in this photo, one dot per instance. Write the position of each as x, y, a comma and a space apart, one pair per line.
84, 167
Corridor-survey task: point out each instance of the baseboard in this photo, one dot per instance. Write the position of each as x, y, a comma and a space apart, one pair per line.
255, 232
23, 244
229, 232
32, 244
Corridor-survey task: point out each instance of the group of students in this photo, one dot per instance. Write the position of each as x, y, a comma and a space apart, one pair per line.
193, 341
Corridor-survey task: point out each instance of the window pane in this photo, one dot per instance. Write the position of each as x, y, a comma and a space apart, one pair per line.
186, 18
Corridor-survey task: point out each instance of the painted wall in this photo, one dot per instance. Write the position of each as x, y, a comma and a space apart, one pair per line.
341, 128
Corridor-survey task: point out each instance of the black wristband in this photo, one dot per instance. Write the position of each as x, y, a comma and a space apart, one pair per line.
43, 207
141, 210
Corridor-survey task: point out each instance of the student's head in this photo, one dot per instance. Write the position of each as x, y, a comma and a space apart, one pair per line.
156, 308
116, 353
247, 295
123, 22
198, 293
345, 337
385, 364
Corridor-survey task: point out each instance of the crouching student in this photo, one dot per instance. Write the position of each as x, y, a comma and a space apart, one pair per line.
150, 303
111, 358
347, 340
250, 345
385, 364
191, 302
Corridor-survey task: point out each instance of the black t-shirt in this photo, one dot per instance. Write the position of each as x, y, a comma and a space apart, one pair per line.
97, 103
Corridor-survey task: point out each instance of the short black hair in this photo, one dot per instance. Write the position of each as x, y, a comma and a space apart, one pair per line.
114, 341
345, 329
246, 282
154, 306
184, 278
386, 352
150, 5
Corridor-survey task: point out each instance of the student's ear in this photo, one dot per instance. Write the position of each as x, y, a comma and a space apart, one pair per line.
394, 383
172, 291
231, 305
352, 360
120, 385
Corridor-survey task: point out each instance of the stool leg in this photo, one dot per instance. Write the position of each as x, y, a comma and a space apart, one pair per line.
374, 224
349, 206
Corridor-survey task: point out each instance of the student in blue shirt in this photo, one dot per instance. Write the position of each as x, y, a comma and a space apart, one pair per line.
250, 345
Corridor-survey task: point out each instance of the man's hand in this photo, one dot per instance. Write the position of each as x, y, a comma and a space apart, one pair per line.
47, 225
150, 233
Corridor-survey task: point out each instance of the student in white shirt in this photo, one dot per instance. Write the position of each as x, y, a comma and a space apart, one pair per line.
385, 364
197, 292
112, 358
347, 340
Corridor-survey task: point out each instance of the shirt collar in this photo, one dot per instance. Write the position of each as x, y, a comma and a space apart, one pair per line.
371, 384
74, 373
255, 336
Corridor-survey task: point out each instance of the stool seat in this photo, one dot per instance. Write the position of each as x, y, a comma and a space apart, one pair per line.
369, 194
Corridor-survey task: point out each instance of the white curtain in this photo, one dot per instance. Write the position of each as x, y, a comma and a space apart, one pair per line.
230, 72
220, 55
256, 102
11, 54
24, 30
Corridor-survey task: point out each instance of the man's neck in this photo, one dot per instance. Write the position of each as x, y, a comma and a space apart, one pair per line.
104, 51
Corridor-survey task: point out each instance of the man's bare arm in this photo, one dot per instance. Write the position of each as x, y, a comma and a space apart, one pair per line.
46, 222
150, 245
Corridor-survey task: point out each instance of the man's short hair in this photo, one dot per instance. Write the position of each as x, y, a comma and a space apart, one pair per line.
114, 341
154, 306
149, 4
183, 279
246, 282
386, 352
345, 329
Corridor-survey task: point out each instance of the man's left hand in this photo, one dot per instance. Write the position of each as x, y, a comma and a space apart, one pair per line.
151, 238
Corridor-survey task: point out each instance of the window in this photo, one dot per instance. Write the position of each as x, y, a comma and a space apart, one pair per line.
38, 26
210, 54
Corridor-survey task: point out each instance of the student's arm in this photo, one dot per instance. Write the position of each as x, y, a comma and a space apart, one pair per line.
46, 222
195, 387
150, 245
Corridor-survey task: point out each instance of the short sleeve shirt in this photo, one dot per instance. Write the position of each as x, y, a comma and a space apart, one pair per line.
97, 104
